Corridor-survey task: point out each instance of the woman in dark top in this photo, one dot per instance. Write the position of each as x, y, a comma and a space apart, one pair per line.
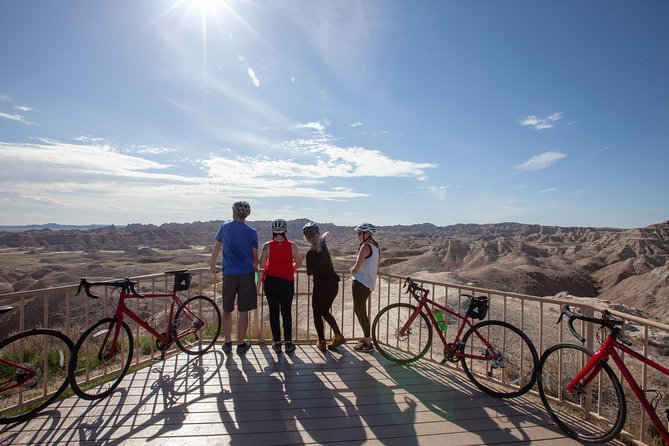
326, 285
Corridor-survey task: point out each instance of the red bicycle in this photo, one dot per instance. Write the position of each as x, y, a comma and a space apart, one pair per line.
580, 390
496, 356
33, 371
102, 355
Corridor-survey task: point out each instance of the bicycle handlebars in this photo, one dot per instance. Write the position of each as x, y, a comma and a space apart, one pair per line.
126, 285
413, 287
607, 320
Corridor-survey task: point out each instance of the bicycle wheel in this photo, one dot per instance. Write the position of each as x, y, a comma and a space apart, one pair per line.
595, 413
512, 372
197, 324
96, 370
33, 372
398, 347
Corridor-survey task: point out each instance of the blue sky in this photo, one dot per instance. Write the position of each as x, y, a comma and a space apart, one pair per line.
393, 112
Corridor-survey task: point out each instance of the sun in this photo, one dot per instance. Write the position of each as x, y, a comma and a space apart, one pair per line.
207, 10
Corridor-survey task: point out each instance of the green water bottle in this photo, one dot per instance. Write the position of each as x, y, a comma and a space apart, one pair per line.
439, 317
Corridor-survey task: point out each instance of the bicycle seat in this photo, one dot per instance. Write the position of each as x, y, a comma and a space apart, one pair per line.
178, 271
5, 308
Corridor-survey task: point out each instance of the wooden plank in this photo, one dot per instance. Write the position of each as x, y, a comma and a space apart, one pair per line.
304, 398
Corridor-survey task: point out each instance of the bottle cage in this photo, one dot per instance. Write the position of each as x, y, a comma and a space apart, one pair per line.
478, 307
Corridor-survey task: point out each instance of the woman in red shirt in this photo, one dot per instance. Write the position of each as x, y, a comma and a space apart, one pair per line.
280, 258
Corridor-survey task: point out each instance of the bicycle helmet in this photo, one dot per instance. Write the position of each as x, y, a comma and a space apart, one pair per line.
279, 226
365, 227
241, 208
311, 229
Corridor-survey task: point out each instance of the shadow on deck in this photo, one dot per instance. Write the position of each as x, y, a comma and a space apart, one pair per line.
307, 397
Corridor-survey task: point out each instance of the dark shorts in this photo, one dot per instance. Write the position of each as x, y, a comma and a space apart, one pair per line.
241, 287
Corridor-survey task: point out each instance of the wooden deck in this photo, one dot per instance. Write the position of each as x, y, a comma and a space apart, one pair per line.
304, 398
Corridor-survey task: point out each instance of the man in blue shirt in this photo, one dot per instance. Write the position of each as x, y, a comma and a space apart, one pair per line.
239, 244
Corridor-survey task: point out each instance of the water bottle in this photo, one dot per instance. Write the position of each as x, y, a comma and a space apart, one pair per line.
441, 322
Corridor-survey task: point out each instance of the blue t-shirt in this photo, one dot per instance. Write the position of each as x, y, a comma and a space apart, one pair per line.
238, 240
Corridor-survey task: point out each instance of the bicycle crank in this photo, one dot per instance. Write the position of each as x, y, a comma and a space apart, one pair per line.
163, 347
451, 352
26, 378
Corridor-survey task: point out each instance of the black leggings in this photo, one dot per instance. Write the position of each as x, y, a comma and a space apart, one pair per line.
321, 303
280, 300
360, 295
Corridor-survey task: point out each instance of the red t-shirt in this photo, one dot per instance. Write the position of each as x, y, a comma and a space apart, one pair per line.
280, 260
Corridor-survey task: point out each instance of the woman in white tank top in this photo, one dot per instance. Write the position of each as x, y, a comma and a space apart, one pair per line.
364, 280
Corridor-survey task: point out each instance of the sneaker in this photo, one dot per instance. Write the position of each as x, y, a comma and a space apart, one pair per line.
321, 345
277, 346
338, 340
227, 347
290, 347
243, 348
363, 346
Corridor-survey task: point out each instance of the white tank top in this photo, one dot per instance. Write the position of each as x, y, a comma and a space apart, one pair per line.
366, 275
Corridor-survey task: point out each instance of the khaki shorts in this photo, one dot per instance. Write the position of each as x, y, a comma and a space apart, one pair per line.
241, 287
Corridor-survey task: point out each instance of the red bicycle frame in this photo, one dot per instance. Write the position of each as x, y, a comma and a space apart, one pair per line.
593, 367
25, 373
122, 310
425, 302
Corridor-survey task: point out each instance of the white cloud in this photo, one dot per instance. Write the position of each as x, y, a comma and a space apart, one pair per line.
15, 117
541, 161
23, 108
355, 124
541, 123
548, 189
94, 176
318, 126
438, 191
254, 78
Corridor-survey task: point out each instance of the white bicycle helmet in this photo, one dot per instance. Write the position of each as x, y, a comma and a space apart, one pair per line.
241, 208
279, 226
365, 227
311, 229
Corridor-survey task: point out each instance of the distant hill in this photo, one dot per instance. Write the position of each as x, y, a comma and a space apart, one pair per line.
51, 226
622, 266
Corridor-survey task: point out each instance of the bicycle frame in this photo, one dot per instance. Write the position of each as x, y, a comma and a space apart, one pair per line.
26, 373
424, 303
609, 350
122, 310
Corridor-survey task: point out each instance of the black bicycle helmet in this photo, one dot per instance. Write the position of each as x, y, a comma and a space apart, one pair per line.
311, 229
241, 208
279, 226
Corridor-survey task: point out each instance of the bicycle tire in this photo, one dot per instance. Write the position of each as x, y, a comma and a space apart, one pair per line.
201, 314
401, 349
557, 367
92, 377
518, 363
20, 402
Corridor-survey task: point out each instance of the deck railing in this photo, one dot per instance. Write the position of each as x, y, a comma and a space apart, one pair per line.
60, 308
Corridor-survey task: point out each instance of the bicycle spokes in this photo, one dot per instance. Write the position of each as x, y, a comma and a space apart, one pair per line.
196, 325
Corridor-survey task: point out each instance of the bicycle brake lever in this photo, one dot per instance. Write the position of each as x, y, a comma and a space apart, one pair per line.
573, 330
